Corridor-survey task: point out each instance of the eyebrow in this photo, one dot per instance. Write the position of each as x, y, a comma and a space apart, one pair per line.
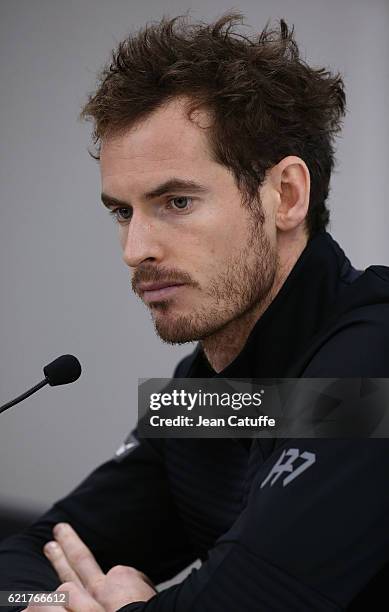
171, 185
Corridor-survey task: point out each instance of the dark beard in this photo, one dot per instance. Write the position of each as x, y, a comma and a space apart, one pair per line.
245, 283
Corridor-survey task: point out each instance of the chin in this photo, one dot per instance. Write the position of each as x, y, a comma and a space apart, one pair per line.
174, 327
182, 327
172, 335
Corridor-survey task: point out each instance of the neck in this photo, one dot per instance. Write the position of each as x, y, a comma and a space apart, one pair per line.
225, 345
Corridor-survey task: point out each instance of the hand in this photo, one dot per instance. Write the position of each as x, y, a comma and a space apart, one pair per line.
89, 588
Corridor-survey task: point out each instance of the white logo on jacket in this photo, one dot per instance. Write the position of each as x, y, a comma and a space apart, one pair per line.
129, 445
281, 467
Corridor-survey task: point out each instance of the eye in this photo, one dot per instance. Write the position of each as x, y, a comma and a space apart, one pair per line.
181, 203
121, 215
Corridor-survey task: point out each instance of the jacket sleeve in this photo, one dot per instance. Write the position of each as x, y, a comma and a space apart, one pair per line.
315, 528
123, 512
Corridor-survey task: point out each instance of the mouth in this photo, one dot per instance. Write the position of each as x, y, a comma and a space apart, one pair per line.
156, 292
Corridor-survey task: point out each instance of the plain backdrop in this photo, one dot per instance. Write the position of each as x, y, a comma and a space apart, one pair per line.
64, 287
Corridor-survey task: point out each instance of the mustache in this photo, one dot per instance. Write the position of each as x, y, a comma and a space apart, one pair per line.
153, 274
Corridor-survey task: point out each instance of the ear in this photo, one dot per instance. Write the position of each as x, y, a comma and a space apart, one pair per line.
291, 179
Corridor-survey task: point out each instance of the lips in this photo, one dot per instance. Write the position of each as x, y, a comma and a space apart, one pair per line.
154, 292
156, 286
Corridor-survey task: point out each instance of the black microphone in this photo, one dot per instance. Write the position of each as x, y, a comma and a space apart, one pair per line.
63, 370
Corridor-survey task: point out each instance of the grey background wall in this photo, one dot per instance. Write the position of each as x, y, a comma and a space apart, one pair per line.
64, 287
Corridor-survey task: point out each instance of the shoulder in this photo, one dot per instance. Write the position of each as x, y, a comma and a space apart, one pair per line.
357, 345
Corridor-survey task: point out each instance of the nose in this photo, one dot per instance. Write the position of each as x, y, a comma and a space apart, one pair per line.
141, 242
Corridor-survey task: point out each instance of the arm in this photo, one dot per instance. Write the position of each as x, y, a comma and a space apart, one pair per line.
124, 513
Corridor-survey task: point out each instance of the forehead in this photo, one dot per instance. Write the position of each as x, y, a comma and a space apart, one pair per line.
166, 142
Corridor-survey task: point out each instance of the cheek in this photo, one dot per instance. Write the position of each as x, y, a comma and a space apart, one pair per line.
211, 246
207, 255
226, 240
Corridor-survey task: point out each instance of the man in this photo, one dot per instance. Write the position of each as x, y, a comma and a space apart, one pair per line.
216, 153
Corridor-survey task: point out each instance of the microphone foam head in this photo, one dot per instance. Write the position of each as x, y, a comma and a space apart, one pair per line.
63, 370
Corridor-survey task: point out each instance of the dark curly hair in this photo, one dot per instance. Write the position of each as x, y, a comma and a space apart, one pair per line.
265, 101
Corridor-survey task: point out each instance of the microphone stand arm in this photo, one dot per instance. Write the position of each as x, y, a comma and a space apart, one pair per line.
24, 395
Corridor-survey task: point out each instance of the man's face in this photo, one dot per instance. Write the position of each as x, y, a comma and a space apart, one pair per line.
199, 258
